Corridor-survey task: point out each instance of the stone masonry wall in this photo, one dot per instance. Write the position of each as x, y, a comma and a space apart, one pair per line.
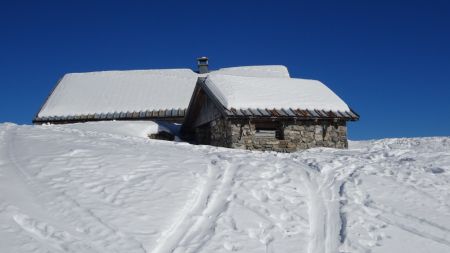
296, 135
309, 134
216, 133
221, 133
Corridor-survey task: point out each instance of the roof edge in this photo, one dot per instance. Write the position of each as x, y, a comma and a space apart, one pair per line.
36, 116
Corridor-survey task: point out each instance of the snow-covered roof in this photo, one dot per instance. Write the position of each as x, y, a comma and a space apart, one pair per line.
120, 91
241, 92
255, 71
134, 90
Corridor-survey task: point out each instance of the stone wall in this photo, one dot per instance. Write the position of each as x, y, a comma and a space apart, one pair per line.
221, 133
309, 134
216, 133
294, 136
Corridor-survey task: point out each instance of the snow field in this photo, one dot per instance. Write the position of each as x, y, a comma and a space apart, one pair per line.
79, 188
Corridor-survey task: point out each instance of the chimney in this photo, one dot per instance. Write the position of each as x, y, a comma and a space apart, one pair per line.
202, 64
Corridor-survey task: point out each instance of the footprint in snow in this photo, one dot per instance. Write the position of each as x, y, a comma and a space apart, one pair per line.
435, 170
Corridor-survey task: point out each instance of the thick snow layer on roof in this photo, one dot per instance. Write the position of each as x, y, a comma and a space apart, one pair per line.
252, 92
120, 91
141, 90
256, 71
134, 90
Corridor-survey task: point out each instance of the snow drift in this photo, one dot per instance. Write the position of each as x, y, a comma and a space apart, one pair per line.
76, 188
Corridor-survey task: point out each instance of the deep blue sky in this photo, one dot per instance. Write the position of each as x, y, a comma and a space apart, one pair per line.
389, 60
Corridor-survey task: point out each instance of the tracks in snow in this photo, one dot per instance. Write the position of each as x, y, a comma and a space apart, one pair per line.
414, 225
324, 186
324, 214
304, 187
102, 236
197, 221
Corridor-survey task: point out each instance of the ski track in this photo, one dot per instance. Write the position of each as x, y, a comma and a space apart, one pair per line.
196, 224
324, 190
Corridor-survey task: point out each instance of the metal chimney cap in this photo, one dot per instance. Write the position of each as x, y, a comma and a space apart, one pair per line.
202, 63
202, 59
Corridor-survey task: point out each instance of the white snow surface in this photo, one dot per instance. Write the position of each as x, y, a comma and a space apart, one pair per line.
281, 93
255, 71
134, 90
121, 128
120, 91
66, 188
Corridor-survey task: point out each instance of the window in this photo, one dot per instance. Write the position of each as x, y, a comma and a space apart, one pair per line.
266, 133
269, 130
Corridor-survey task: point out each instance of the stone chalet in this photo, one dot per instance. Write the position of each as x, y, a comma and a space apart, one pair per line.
252, 107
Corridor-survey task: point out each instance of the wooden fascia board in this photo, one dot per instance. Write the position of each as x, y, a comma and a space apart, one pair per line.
67, 121
200, 86
357, 115
188, 114
213, 98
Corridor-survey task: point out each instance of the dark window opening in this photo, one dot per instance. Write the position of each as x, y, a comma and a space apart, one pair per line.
269, 131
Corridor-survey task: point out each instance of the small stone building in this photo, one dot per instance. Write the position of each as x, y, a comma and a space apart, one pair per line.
251, 107
161, 95
266, 113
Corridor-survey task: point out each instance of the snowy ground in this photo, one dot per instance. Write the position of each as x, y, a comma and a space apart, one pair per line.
84, 189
